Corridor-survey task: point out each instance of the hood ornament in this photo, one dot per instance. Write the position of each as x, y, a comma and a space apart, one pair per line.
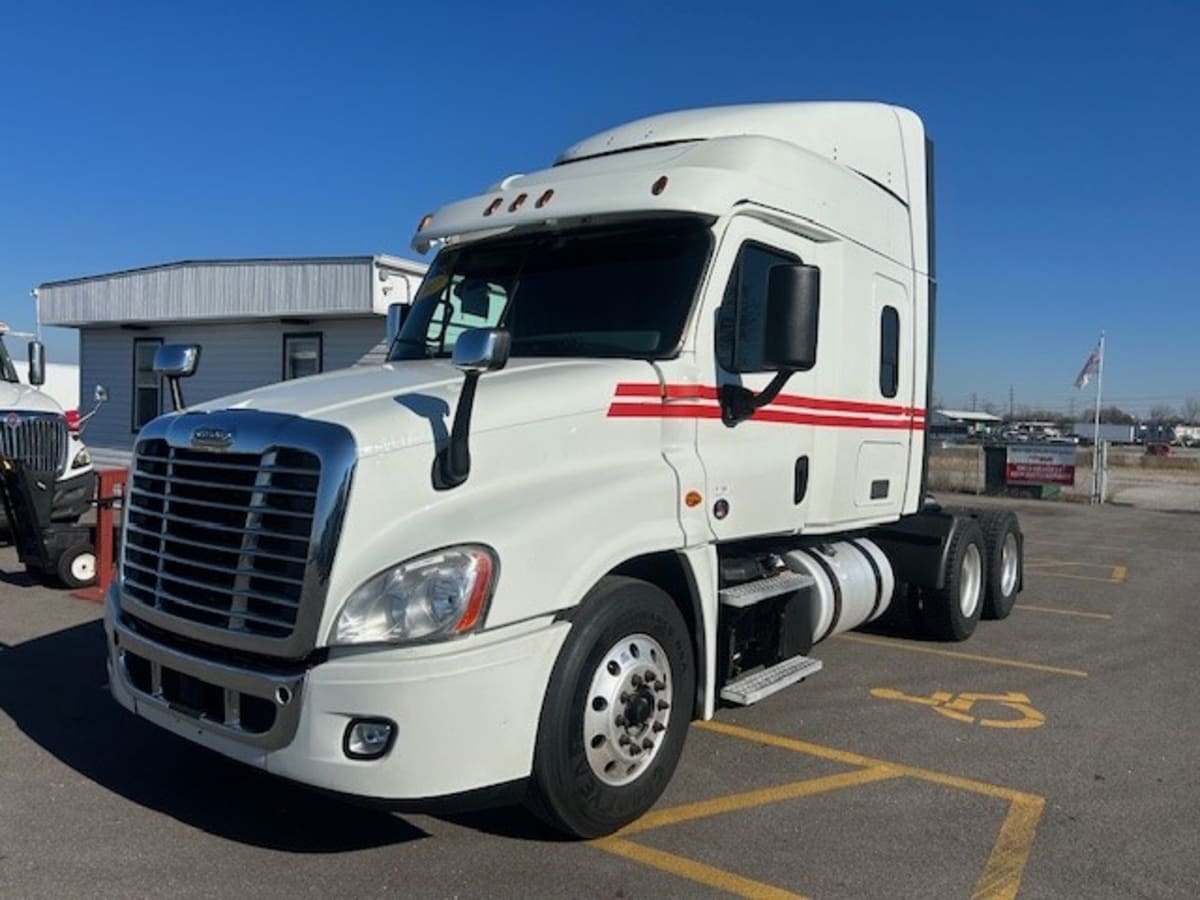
212, 437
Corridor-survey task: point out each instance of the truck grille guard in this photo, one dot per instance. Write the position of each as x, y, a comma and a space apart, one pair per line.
38, 439
232, 521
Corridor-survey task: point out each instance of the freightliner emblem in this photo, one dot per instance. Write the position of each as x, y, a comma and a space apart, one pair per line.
219, 438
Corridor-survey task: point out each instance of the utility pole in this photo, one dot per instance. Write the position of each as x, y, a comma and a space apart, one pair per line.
974, 401
1010, 401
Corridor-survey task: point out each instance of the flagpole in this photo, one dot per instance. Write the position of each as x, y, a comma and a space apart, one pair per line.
1097, 466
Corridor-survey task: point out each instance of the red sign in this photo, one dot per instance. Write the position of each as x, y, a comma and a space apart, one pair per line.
1040, 464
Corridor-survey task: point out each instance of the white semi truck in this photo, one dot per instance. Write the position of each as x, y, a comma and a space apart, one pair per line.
35, 430
653, 427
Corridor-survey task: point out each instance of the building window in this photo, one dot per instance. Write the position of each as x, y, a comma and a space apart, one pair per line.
147, 386
302, 355
889, 351
742, 319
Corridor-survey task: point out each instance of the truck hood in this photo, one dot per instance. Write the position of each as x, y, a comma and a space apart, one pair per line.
406, 404
26, 399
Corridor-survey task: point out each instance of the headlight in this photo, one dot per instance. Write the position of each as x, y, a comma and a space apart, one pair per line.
82, 458
438, 595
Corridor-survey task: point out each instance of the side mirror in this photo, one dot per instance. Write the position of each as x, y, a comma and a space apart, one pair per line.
793, 305
99, 398
397, 315
482, 350
175, 361
476, 351
37, 363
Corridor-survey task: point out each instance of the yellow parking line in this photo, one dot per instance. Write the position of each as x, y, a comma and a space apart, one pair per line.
763, 797
1110, 580
1002, 875
955, 654
857, 759
1038, 542
1025, 607
694, 871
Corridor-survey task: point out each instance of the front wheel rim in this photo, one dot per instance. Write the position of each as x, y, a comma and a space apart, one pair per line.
972, 580
627, 709
1010, 559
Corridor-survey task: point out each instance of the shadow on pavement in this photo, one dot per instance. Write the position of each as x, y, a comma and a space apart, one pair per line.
55, 689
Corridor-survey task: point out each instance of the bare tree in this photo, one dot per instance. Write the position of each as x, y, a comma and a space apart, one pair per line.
1114, 415
1160, 414
1191, 410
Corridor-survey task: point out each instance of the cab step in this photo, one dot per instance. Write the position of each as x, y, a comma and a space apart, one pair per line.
751, 592
753, 687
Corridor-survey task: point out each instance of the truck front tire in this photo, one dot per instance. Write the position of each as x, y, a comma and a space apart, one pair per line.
616, 710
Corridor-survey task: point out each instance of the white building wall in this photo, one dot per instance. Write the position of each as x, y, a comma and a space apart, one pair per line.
234, 357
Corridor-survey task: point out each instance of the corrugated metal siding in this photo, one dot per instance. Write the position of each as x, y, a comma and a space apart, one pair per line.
234, 358
213, 290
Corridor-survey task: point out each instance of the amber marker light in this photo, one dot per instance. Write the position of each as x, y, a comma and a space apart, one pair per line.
479, 595
693, 499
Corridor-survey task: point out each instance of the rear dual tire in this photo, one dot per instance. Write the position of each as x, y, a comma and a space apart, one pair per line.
952, 612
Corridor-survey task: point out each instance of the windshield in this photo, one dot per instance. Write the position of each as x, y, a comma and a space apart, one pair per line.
7, 372
604, 292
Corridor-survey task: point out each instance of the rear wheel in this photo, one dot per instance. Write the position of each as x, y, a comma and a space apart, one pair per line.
1003, 545
951, 614
616, 710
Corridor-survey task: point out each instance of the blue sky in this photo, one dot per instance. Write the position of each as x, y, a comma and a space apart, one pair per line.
1068, 141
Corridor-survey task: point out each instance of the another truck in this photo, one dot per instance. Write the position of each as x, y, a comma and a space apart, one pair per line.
35, 430
653, 427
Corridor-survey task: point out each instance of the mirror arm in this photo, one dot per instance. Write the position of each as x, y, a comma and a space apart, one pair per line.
739, 403
452, 464
176, 392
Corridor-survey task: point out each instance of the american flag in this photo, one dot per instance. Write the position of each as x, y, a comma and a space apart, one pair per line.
1090, 368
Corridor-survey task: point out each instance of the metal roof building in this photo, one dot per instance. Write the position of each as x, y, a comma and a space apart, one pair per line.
258, 321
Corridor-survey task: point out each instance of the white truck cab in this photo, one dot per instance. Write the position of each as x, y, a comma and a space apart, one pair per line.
653, 427
34, 429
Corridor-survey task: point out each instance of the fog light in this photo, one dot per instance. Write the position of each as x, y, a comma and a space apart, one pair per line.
368, 738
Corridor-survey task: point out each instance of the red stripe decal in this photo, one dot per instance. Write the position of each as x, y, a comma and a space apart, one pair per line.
821, 404
703, 411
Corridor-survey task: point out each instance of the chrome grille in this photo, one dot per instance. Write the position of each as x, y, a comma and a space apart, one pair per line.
39, 440
221, 539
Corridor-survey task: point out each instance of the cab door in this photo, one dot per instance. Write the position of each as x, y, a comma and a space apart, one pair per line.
757, 471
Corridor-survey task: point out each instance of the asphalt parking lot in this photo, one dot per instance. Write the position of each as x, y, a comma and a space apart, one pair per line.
1052, 754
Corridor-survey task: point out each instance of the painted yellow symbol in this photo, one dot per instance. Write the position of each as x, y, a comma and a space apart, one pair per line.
959, 708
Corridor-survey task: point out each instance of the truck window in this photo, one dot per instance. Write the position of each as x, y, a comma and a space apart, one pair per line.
889, 351
741, 321
616, 291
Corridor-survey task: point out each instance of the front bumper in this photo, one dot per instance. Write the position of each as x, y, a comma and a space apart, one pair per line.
73, 496
466, 712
